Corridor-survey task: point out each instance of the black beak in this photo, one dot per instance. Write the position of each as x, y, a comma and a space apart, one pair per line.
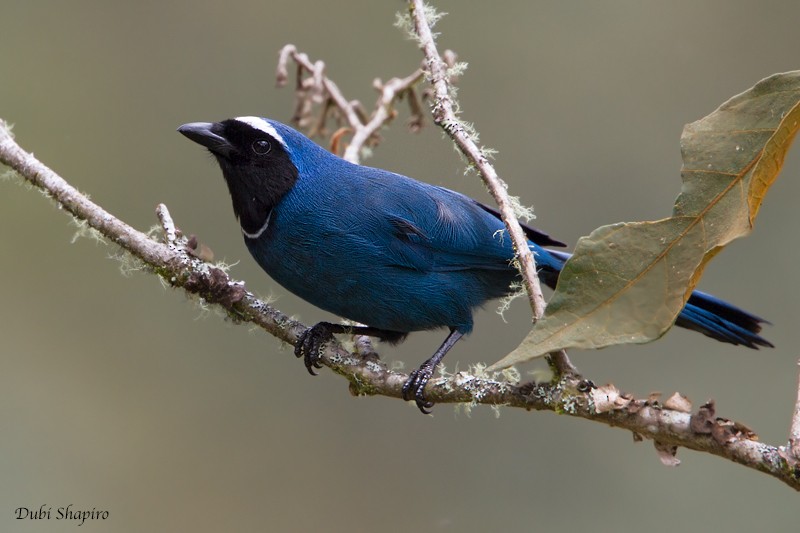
203, 134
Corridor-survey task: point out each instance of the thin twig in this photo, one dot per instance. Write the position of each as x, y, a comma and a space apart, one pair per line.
389, 92
167, 224
445, 116
794, 429
319, 89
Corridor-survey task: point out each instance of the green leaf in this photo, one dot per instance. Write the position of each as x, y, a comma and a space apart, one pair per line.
628, 282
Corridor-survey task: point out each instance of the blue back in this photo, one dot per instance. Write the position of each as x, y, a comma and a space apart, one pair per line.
381, 248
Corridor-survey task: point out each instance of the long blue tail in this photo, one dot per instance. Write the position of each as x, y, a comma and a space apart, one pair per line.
722, 321
703, 312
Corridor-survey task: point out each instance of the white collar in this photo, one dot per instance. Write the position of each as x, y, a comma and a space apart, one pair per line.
263, 228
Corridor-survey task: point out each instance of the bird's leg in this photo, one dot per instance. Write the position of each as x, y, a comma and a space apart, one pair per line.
414, 388
312, 341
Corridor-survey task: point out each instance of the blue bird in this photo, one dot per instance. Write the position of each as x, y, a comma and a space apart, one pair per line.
386, 250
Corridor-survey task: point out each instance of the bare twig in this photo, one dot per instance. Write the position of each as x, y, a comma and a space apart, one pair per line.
445, 116
167, 224
794, 429
316, 88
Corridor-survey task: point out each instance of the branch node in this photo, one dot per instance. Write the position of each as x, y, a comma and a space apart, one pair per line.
318, 91
167, 224
794, 429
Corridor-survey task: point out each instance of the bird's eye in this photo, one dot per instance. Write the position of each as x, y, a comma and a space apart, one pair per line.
261, 146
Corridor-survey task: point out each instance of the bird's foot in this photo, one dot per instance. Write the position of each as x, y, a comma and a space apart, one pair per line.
311, 344
414, 388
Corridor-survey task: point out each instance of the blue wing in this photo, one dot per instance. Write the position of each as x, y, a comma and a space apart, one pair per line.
431, 228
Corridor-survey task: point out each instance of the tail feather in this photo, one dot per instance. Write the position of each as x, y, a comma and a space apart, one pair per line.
703, 312
722, 321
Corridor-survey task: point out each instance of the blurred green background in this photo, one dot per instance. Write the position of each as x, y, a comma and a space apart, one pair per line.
119, 394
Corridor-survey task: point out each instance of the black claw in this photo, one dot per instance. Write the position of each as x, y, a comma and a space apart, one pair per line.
424, 406
414, 388
310, 344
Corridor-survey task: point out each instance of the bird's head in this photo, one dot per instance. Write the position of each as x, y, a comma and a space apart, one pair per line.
255, 161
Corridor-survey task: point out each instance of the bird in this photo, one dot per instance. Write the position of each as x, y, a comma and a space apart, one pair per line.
385, 250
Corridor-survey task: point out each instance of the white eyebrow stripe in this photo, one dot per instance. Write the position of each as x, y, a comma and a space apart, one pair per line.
257, 234
262, 125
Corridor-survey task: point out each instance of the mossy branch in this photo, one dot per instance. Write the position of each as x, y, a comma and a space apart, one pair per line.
172, 257
445, 113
